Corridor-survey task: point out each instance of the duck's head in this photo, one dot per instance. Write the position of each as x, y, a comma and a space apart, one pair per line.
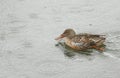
67, 33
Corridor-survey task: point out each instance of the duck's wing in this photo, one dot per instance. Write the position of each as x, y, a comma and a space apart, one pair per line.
89, 39
95, 37
97, 40
82, 37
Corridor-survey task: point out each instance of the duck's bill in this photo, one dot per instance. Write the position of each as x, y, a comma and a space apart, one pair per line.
60, 37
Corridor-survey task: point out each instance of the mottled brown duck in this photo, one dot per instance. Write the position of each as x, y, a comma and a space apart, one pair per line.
82, 41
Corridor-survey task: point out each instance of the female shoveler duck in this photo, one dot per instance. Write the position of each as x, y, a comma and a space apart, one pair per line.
82, 41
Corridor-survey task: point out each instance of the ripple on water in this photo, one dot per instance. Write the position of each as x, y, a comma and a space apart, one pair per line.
21, 0
27, 44
51, 67
24, 76
3, 76
34, 15
113, 41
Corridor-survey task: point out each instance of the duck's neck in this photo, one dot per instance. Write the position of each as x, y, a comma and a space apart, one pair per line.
67, 40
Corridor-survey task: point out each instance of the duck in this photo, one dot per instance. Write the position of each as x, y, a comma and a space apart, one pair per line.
82, 41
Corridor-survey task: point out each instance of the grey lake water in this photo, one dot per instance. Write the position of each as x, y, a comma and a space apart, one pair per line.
28, 29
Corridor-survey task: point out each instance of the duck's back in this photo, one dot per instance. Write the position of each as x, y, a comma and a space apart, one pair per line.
87, 37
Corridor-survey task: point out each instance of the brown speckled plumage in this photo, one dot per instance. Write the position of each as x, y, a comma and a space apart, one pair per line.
82, 41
